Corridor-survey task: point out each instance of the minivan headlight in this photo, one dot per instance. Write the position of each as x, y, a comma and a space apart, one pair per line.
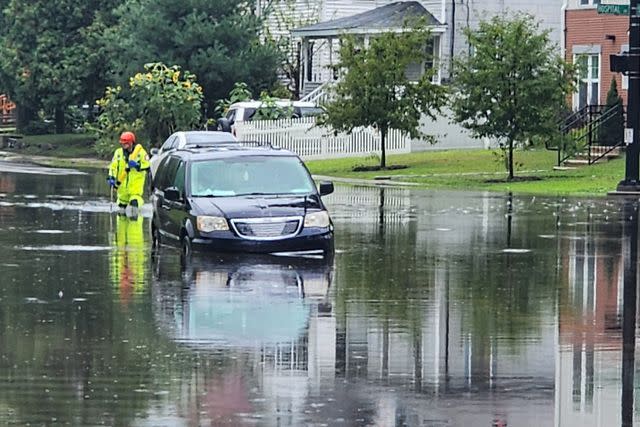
208, 224
317, 219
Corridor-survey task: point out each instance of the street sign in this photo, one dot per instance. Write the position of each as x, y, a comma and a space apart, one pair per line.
614, 7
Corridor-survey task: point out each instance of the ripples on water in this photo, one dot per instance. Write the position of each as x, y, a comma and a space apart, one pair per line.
439, 309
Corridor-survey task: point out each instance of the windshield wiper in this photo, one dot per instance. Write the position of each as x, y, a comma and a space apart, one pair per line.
257, 193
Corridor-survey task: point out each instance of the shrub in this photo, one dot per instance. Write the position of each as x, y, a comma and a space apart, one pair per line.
157, 103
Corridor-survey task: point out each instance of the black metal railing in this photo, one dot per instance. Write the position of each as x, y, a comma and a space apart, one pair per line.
583, 134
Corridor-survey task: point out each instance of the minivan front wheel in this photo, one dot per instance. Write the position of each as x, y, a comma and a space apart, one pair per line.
186, 246
156, 238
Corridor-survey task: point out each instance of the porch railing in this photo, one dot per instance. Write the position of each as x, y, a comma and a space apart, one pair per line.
582, 134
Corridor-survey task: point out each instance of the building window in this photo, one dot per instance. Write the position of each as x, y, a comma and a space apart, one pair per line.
588, 82
589, 2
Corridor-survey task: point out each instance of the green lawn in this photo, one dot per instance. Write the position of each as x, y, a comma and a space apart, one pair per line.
62, 145
474, 169
446, 169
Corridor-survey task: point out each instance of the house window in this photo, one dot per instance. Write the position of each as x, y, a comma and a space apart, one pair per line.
589, 80
433, 59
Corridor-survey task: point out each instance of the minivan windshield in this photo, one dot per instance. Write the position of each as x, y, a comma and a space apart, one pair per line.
250, 175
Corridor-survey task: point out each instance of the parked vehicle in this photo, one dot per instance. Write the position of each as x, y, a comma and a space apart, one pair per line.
245, 111
240, 199
184, 139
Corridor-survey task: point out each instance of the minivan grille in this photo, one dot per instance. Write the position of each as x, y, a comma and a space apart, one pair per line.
267, 228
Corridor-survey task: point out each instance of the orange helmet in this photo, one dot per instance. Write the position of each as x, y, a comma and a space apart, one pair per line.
127, 138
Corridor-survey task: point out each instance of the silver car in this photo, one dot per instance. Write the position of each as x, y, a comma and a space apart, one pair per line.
187, 139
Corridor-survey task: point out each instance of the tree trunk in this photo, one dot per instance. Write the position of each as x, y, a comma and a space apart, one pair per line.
59, 118
25, 115
383, 154
510, 159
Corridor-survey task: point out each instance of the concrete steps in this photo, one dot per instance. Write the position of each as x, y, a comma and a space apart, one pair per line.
582, 159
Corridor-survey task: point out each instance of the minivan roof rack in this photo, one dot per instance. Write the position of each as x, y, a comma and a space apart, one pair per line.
236, 146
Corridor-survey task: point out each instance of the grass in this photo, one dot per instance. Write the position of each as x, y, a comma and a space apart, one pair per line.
479, 169
62, 145
447, 169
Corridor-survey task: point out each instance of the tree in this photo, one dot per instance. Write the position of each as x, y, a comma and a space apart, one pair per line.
158, 102
374, 89
50, 57
513, 85
612, 129
216, 40
283, 16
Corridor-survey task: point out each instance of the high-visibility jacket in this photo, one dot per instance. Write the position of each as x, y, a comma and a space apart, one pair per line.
130, 181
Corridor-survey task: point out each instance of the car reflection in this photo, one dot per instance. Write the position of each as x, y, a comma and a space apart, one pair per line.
240, 301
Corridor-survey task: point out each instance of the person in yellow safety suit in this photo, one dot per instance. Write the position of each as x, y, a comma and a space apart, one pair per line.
128, 171
129, 259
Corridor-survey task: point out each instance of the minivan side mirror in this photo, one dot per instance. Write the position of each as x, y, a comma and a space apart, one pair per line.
172, 194
326, 187
154, 151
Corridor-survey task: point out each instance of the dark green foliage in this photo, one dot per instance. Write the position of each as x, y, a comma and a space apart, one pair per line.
612, 128
51, 58
216, 40
374, 89
513, 86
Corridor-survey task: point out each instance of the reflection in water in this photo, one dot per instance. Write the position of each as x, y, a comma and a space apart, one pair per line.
629, 311
275, 309
440, 309
129, 257
597, 320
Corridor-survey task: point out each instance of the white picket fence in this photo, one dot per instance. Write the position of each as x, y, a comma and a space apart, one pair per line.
309, 141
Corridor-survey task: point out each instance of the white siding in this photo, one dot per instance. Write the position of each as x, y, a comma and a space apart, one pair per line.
576, 4
547, 12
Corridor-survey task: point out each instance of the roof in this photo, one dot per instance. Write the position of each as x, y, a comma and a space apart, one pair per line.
229, 151
206, 137
279, 103
390, 16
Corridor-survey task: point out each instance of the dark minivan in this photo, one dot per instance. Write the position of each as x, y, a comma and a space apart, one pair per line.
240, 199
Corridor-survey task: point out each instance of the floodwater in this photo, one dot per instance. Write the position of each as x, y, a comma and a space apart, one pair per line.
439, 309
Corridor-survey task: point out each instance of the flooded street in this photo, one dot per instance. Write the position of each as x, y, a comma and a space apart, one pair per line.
439, 309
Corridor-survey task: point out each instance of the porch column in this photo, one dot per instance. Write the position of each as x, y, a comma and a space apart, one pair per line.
304, 48
330, 41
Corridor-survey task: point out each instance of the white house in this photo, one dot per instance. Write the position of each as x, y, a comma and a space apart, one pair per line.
447, 19
324, 21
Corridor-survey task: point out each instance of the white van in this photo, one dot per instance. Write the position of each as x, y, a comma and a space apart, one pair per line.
245, 111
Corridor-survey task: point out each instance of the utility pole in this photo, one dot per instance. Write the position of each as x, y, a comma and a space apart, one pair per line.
629, 63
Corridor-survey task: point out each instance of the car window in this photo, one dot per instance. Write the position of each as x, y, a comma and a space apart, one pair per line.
169, 173
178, 181
231, 115
160, 172
168, 144
310, 111
210, 138
250, 175
249, 113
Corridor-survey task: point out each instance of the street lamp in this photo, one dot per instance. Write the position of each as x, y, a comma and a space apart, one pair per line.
629, 63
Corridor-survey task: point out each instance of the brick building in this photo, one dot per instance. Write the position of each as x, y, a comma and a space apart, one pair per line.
590, 38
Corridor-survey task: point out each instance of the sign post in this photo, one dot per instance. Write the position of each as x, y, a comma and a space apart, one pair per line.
629, 64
